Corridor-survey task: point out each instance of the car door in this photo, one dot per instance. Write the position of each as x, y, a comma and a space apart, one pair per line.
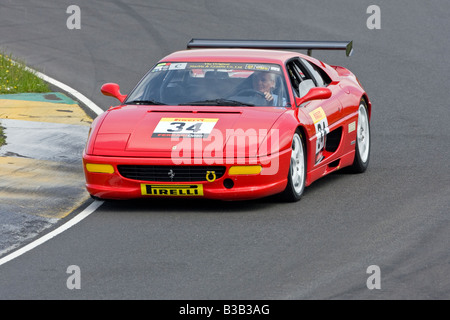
324, 114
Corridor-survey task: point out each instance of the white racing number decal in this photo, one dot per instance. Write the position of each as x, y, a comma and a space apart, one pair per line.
321, 124
184, 127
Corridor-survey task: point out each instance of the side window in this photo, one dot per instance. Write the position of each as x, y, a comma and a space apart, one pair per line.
298, 75
301, 79
307, 80
319, 76
305, 75
295, 78
300, 70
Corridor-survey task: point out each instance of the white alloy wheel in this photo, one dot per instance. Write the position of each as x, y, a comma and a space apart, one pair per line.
362, 148
363, 133
297, 170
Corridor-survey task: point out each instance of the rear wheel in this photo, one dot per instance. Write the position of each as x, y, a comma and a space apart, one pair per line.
297, 170
362, 149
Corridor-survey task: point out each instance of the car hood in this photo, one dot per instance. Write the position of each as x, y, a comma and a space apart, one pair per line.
184, 132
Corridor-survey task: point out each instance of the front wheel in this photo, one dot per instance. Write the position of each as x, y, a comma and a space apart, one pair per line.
297, 170
362, 149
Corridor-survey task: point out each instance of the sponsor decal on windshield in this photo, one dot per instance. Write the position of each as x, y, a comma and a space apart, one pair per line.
164, 66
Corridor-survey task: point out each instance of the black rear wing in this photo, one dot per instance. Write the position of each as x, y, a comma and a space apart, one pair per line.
273, 44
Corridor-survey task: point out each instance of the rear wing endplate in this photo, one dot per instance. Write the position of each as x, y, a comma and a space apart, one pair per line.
273, 44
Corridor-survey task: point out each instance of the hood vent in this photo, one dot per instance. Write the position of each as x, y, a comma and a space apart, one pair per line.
194, 111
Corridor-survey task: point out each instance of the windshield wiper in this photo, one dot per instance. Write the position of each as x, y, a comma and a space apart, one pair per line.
153, 102
216, 102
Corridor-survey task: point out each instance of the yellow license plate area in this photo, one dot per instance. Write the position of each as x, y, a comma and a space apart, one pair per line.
174, 190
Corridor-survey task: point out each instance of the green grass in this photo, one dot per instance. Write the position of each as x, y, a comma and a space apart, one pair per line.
2, 137
14, 78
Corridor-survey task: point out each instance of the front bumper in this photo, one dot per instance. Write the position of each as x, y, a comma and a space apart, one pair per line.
271, 180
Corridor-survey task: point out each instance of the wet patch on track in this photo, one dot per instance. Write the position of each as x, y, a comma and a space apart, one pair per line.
41, 174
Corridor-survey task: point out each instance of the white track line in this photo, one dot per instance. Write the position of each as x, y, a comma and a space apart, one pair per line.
86, 212
91, 105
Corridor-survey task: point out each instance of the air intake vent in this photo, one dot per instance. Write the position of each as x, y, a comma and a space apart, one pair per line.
171, 173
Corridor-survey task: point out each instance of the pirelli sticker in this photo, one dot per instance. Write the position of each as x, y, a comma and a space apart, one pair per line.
184, 127
177, 190
317, 115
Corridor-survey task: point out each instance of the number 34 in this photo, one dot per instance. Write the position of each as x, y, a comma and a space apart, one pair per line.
179, 126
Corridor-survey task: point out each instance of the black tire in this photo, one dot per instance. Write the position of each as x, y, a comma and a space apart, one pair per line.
363, 140
296, 180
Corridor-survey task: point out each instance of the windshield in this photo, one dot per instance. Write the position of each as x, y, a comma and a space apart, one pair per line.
212, 83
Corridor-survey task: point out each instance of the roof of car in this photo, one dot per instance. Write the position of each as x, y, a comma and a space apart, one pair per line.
232, 55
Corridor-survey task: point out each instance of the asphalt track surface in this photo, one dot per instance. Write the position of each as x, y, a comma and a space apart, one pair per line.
395, 216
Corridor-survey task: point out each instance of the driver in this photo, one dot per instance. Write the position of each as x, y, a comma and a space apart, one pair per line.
264, 82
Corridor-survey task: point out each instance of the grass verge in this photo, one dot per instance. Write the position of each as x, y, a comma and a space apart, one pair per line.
2, 137
15, 78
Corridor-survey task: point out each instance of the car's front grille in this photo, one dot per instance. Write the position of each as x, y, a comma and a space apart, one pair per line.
171, 173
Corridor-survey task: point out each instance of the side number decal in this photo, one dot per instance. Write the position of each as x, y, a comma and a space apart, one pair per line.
321, 125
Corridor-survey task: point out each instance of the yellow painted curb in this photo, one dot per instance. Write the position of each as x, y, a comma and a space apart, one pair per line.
43, 112
42, 188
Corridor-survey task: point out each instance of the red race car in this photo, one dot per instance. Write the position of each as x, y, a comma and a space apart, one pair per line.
230, 120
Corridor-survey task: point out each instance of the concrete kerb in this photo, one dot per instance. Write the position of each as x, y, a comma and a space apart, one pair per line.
41, 175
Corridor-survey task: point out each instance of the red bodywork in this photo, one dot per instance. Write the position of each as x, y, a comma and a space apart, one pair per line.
122, 134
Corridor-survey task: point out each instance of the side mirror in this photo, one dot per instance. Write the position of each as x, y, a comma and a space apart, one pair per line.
113, 90
317, 93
